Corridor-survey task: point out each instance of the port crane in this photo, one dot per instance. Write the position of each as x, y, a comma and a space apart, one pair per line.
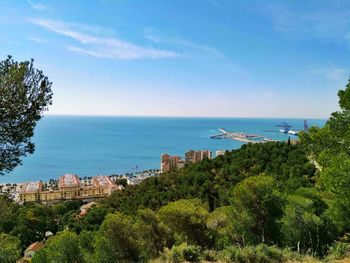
287, 129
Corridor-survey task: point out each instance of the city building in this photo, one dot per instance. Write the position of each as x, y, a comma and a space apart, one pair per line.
220, 152
180, 164
69, 187
69, 184
31, 191
193, 156
170, 163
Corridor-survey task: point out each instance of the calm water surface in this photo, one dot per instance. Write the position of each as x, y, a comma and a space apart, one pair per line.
108, 145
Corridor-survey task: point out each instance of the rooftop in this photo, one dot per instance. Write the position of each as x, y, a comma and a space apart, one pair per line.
35, 246
102, 181
32, 187
69, 180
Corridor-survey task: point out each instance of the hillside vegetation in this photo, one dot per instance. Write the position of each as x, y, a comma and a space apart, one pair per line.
261, 203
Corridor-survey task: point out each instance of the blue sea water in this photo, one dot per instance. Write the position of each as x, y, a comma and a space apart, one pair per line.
113, 145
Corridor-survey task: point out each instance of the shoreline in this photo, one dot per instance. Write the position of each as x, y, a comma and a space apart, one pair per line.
132, 178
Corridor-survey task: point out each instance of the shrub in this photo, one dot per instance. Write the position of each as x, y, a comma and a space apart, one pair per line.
183, 252
261, 253
337, 251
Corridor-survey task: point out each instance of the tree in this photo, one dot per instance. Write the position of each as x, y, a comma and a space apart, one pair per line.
86, 242
334, 138
153, 233
9, 248
117, 240
344, 97
258, 207
187, 219
8, 213
31, 224
336, 178
302, 225
63, 248
25, 93
222, 222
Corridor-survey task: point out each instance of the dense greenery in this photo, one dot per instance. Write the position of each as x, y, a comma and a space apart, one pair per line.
25, 93
269, 202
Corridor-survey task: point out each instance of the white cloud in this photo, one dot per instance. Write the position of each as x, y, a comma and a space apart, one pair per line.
38, 6
151, 35
332, 72
37, 39
102, 47
192, 49
328, 22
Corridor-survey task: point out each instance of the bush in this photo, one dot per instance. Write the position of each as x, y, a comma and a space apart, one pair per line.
337, 251
250, 254
183, 252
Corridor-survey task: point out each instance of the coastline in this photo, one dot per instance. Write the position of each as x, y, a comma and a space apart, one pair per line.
115, 145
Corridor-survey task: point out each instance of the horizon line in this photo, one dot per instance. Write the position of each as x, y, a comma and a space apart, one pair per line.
184, 117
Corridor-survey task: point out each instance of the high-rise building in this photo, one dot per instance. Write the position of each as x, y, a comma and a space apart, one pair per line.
170, 163
192, 156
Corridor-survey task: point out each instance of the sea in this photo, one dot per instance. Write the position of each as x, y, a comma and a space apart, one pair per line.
89, 146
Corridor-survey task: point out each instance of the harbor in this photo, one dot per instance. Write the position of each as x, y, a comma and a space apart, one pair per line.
283, 128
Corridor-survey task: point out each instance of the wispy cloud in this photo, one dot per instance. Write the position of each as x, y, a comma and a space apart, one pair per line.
215, 3
151, 35
327, 22
102, 47
332, 72
191, 49
37, 6
37, 39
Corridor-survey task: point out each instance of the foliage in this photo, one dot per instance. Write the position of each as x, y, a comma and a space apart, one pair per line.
330, 147
183, 253
257, 206
25, 94
212, 180
117, 240
62, 248
153, 233
261, 253
9, 248
187, 219
337, 251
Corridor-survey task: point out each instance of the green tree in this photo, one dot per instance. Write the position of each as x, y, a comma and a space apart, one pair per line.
187, 219
154, 235
301, 224
334, 138
222, 223
117, 240
9, 248
86, 242
344, 97
335, 179
61, 248
257, 204
31, 224
25, 95
8, 214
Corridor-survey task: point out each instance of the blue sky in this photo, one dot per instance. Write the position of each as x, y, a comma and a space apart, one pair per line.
184, 58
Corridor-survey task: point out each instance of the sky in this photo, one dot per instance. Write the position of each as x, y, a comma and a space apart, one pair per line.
207, 58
